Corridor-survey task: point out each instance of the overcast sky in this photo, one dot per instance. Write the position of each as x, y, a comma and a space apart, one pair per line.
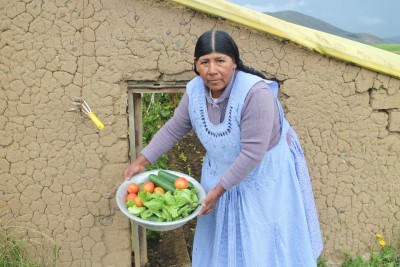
377, 17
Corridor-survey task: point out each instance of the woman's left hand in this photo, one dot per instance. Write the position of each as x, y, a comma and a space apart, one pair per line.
211, 199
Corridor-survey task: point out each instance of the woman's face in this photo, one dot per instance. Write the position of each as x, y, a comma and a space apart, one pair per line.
216, 69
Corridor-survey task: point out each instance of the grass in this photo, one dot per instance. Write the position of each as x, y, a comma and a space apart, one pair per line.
21, 252
394, 48
13, 252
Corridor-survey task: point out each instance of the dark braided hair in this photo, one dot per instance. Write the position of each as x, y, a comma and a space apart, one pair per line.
221, 42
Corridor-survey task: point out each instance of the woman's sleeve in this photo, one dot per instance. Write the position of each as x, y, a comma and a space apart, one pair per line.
172, 131
256, 128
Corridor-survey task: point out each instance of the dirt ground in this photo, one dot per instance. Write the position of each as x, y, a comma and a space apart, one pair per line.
185, 157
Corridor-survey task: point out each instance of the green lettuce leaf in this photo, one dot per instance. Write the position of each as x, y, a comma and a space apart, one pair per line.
135, 210
165, 207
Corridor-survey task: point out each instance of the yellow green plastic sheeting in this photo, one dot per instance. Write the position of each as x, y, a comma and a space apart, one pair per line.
347, 50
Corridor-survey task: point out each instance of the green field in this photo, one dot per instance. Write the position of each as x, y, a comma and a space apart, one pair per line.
395, 48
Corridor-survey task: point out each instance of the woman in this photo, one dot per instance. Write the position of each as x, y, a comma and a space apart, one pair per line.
259, 209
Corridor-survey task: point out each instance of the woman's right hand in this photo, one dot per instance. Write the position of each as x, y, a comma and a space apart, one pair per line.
137, 166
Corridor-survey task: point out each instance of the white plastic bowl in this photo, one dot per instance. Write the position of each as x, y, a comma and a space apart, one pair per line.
156, 226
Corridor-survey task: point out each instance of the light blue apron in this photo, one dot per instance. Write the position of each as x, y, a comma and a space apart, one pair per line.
268, 219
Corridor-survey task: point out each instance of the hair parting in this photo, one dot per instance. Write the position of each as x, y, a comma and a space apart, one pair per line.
221, 42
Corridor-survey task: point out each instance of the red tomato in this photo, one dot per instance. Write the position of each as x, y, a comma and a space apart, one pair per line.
159, 190
131, 196
148, 186
181, 183
133, 188
138, 202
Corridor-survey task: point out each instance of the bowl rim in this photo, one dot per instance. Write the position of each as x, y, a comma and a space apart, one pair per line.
151, 224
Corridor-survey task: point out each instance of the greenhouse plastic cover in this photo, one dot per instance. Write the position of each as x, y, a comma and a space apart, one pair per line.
347, 50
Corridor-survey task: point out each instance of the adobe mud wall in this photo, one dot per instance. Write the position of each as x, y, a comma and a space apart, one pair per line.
59, 173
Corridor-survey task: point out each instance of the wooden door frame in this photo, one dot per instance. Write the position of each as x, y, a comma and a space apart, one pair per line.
135, 125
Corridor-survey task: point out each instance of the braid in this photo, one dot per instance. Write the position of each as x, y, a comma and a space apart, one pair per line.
247, 69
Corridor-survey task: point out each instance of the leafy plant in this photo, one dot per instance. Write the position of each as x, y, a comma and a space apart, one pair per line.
387, 256
321, 262
157, 110
183, 157
189, 170
153, 235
